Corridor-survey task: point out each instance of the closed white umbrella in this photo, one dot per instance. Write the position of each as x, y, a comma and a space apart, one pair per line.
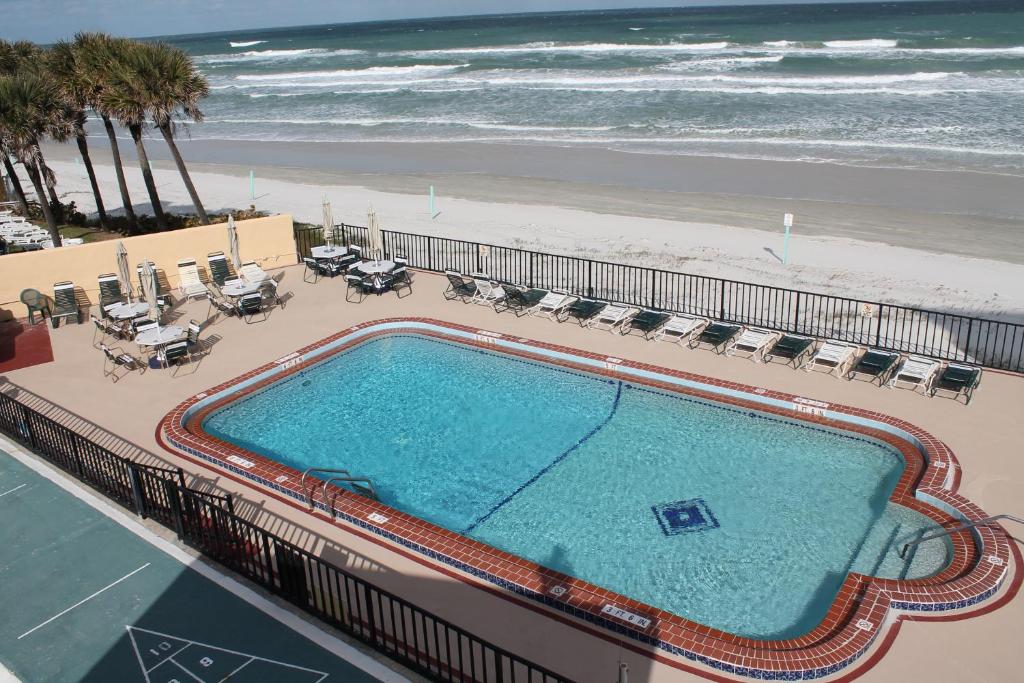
376, 245
328, 222
233, 243
149, 288
123, 272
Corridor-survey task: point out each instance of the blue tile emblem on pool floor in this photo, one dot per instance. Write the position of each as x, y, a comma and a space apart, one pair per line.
684, 516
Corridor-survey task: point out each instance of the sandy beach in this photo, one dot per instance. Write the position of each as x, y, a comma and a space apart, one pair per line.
859, 232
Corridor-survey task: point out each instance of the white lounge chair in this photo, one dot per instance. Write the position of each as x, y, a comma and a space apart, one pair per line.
189, 284
253, 273
610, 317
552, 305
680, 327
833, 357
916, 372
487, 292
754, 343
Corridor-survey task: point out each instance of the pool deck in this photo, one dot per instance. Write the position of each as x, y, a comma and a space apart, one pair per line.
985, 436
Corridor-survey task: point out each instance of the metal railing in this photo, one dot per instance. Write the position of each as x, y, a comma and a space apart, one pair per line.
412, 636
938, 334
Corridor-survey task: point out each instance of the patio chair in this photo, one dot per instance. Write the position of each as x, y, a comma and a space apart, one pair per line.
610, 317
36, 302
362, 286
222, 305
916, 373
488, 292
195, 345
356, 251
792, 348
715, 336
346, 262
398, 280
251, 305
833, 357
65, 305
647, 322
189, 284
172, 354
958, 380
253, 273
268, 290
102, 329
753, 343
119, 359
141, 325
110, 291
318, 269
875, 364
401, 261
582, 310
552, 305
680, 327
458, 287
219, 270
518, 300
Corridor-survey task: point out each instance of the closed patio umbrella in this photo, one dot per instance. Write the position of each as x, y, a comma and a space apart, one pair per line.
328, 222
376, 245
149, 288
233, 243
122, 270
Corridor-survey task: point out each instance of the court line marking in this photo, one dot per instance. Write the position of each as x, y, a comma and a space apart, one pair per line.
13, 490
252, 657
139, 655
311, 632
85, 600
171, 660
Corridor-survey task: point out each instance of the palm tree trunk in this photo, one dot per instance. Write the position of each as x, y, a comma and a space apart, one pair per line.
165, 128
37, 183
147, 175
129, 212
12, 174
55, 204
83, 149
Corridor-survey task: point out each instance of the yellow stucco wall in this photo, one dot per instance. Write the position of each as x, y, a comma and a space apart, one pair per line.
268, 241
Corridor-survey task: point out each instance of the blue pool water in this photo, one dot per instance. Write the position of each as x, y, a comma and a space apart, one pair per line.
734, 519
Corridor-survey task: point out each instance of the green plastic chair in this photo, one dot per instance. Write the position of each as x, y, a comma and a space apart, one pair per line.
35, 301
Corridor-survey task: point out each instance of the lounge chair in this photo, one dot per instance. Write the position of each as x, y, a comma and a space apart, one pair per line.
519, 300
552, 305
189, 284
582, 310
681, 327
65, 305
792, 348
219, 270
875, 364
753, 343
488, 292
715, 336
119, 359
458, 287
833, 356
959, 380
251, 305
110, 291
253, 273
647, 322
610, 317
916, 372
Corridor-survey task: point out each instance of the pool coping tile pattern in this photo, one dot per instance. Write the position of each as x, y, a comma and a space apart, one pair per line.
864, 607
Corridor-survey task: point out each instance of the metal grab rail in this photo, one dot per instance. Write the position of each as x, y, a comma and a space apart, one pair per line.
962, 527
322, 470
364, 481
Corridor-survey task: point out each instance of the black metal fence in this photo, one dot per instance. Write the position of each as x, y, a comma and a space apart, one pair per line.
425, 643
947, 336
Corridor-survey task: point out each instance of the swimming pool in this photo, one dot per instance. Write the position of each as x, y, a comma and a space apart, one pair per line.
727, 512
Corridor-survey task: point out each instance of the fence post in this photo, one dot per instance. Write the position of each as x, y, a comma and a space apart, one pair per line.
138, 495
654, 287
721, 300
590, 278
967, 341
76, 456
27, 426
531, 269
878, 327
369, 611
430, 253
796, 314
174, 503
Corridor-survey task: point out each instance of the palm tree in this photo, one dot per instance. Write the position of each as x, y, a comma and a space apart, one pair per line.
31, 107
62, 62
9, 61
125, 95
95, 52
174, 87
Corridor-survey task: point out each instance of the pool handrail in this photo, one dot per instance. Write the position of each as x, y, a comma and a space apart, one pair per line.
961, 527
322, 470
351, 480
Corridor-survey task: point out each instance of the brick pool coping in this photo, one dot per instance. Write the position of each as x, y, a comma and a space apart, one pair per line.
864, 607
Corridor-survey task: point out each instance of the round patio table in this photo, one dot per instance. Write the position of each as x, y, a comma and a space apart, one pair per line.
129, 311
238, 289
158, 336
325, 252
376, 267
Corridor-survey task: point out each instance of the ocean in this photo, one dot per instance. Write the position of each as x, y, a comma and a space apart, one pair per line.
916, 85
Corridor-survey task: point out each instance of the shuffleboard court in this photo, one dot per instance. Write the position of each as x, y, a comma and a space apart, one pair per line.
87, 598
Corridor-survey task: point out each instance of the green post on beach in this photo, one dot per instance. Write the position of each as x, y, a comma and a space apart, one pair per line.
252, 185
787, 220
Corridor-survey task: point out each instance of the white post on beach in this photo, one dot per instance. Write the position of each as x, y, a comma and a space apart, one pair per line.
623, 673
787, 221
431, 200
252, 184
